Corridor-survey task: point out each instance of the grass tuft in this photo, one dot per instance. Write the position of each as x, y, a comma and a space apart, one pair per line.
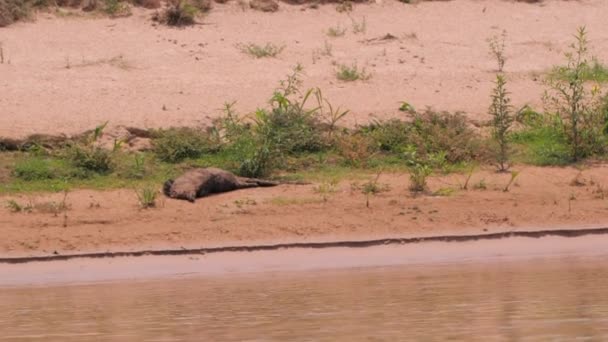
261, 51
352, 73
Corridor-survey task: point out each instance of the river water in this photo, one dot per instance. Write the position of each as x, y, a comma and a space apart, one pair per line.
538, 298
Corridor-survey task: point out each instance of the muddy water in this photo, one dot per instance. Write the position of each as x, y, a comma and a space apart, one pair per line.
534, 299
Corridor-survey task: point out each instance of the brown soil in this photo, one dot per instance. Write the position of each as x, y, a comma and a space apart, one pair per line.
111, 221
72, 73
67, 75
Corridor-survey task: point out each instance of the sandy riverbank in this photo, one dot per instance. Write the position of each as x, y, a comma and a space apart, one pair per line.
426, 254
101, 221
68, 74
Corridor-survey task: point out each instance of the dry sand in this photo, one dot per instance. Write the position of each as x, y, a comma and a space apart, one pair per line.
540, 198
126, 70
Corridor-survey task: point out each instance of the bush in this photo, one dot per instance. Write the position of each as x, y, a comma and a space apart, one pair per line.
352, 73
178, 13
580, 111
13, 10
36, 168
356, 149
90, 158
500, 110
40, 168
418, 175
116, 8
389, 136
176, 144
428, 133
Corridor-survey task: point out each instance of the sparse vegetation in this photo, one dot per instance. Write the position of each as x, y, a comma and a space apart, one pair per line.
370, 188
116, 8
336, 31
359, 26
299, 134
176, 144
418, 175
497, 49
514, 175
259, 51
579, 111
351, 73
178, 13
147, 197
500, 110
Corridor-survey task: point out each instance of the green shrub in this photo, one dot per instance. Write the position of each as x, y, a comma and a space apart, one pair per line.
390, 136
428, 133
90, 158
259, 51
543, 145
176, 144
418, 176
580, 112
147, 197
116, 8
38, 168
351, 73
35, 168
178, 13
500, 110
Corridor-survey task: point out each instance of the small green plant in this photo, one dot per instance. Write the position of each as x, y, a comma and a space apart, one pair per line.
502, 119
481, 185
243, 202
116, 8
406, 107
14, 206
468, 179
351, 73
344, 7
331, 115
514, 175
259, 51
336, 31
418, 175
176, 144
595, 71
90, 158
178, 13
147, 197
326, 188
372, 188
444, 192
582, 120
359, 26
497, 49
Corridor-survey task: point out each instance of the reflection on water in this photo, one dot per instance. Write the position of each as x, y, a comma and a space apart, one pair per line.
535, 300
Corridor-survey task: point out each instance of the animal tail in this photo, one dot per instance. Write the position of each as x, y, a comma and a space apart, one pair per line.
262, 182
167, 187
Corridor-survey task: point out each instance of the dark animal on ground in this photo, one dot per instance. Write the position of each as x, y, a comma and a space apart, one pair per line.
202, 182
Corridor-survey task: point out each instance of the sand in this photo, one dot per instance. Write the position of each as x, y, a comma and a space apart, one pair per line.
102, 221
70, 73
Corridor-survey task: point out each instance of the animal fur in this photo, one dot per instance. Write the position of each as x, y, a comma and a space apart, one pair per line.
202, 182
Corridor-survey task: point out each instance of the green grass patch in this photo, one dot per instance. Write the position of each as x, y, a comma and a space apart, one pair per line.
261, 51
594, 71
350, 73
543, 146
